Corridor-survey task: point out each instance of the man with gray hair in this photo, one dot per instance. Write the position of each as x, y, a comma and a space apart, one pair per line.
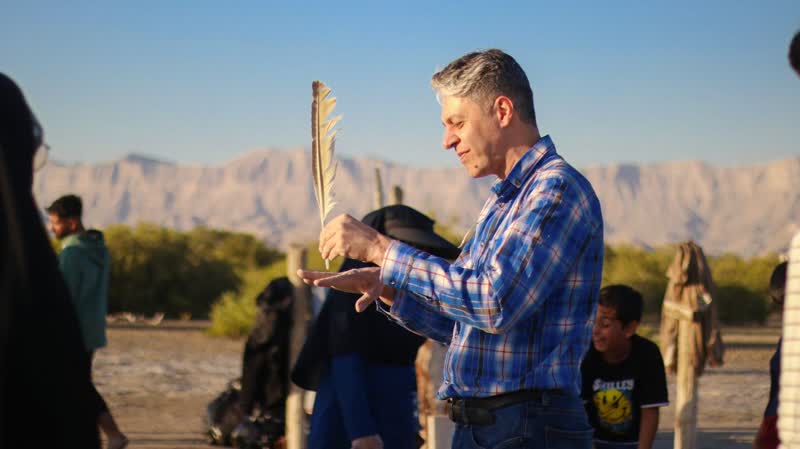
516, 308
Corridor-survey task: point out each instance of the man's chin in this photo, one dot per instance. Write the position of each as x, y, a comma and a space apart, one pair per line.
475, 172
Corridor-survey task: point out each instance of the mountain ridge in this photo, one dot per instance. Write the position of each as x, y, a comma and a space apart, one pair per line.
743, 209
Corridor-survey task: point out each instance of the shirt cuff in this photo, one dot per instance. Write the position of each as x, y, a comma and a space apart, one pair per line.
393, 311
383, 308
397, 264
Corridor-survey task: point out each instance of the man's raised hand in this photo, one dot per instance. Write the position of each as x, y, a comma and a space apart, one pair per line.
347, 237
365, 281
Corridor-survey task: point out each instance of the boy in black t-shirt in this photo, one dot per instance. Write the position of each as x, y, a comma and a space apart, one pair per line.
624, 382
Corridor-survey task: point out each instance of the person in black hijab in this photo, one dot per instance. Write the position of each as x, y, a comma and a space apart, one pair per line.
362, 364
265, 363
45, 387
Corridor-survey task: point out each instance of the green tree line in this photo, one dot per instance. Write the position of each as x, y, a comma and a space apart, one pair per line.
218, 274
154, 269
742, 284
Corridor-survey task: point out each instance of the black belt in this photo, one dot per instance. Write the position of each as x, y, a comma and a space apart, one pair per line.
478, 411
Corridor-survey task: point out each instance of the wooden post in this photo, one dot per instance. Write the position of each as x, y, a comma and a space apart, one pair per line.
377, 201
686, 397
296, 258
396, 195
438, 429
686, 379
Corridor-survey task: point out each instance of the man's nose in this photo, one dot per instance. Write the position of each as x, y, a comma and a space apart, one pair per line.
449, 140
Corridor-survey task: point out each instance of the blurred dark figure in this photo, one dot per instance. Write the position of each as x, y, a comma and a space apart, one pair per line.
362, 364
767, 435
45, 387
794, 53
265, 366
265, 369
251, 411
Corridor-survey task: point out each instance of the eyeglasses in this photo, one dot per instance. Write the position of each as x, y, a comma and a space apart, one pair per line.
42, 151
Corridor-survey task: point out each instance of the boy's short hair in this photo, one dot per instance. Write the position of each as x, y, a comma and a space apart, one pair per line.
777, 283
68, 206
794, 53
625, 300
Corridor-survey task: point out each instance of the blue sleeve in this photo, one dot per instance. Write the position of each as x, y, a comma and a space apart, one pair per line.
349, 373
537, 251
413, 314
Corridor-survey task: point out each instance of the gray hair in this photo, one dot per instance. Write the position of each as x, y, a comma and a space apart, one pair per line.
483, 75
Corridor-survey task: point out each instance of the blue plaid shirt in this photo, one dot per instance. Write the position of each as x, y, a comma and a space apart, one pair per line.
517, 307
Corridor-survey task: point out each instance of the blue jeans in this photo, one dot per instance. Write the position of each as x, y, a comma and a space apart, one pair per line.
551, 422
613, 445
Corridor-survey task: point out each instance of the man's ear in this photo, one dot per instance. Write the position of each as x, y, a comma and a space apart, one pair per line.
631, 328
503, 110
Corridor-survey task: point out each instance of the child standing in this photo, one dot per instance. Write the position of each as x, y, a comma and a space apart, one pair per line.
624, 382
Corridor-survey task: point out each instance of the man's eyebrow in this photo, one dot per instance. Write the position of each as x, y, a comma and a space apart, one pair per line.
451, 119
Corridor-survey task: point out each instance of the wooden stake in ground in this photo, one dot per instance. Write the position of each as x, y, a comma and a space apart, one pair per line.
296, 258
690, 335
396, 195
686, 379
436, 425
377, 201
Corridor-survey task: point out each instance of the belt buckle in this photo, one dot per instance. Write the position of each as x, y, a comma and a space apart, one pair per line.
457, 416
461, 413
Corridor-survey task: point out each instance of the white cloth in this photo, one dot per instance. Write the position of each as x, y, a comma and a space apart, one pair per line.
789, 396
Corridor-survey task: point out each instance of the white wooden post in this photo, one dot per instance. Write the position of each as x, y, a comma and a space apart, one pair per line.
438, 427
296, 258
377, 200
686, 397
396, 195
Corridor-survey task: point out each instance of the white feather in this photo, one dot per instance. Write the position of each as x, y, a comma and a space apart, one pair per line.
323, 142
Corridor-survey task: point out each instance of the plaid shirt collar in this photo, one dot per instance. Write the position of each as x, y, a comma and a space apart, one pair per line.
523, 168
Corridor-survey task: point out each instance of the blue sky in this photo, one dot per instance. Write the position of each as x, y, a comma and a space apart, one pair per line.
205, 82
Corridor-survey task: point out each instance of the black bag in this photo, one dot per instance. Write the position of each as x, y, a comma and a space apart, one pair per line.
227, 425
261, 432
223, 414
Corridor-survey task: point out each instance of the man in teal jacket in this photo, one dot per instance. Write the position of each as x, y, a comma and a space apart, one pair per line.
85, 263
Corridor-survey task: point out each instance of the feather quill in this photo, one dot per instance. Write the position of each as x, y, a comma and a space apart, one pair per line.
323, 142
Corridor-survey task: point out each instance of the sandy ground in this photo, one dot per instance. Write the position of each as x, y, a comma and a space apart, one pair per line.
157, 382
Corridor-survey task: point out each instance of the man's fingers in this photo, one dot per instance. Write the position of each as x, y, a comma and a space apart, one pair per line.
327, 250
309, 276
364, 301
339, 281
312, 277
330, 238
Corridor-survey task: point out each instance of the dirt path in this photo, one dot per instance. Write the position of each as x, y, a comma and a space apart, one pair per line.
158, 381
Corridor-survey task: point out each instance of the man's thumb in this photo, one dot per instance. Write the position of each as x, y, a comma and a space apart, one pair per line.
363, 302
